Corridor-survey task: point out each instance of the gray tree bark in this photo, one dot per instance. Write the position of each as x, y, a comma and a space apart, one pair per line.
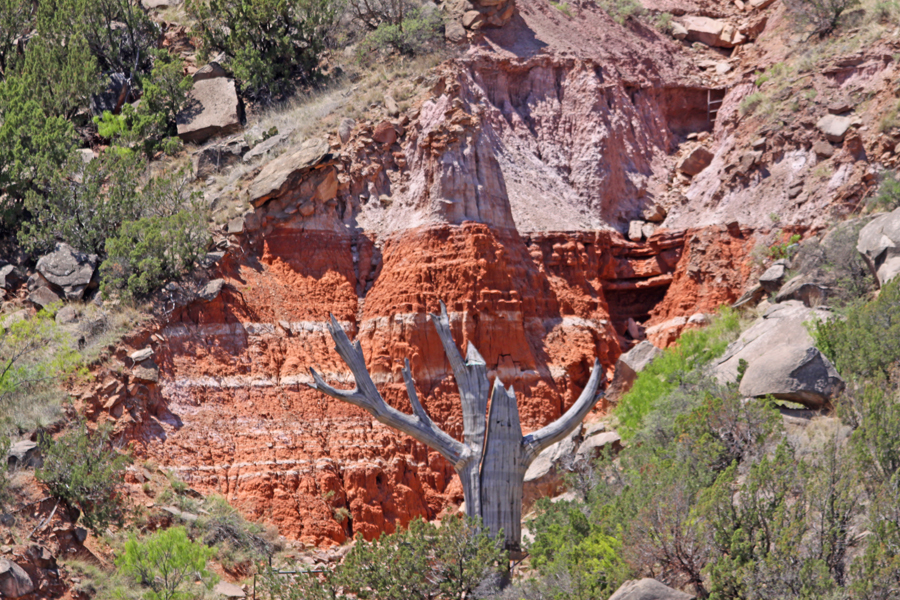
492, 458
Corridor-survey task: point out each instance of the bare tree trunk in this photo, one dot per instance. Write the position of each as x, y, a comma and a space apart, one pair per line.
492, 458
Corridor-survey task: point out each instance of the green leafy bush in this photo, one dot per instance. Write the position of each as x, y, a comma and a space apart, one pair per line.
147, 253
85, 204
267, 42
888, 196
83, 471
694, 350
418, 33
423, 562
167, 564
152, 124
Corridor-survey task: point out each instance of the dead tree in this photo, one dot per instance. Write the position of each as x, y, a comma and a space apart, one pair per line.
493, 456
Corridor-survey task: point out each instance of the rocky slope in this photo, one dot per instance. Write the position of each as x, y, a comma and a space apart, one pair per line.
507, 192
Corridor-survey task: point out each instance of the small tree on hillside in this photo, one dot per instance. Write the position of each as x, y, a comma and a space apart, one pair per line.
83, 471
824, 16
167, 563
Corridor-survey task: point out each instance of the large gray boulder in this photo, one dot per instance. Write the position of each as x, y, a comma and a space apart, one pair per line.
11, 277
282, 173
69, 270
212, 109
628, 366
879, 244
834, 127
23, 455
14, 581
782, 358
648, 589
696, 161
544, 477
712, 32
773, 278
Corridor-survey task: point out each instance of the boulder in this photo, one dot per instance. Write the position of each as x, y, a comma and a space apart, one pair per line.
782, 358
804, 288
679, 31
879, 244
761, 4
211, 71
265, 146
282, 173
385, 133
834, 127
648, 589
696, 161
146, 371
11, 277
454, 32
544, 477
592, 447
345, 129
214, 159
14, 581
712, 32
69, 270
648, 229
628, 366
635, 230
212, 290
111, 100
24, 455
42, 297
823, 149
773, 278
228, 590
654, 213
212, 109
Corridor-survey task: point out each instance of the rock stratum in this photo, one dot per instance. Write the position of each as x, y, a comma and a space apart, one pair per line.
507, 193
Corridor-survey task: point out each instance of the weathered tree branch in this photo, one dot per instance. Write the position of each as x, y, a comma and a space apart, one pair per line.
536, 442
366, 396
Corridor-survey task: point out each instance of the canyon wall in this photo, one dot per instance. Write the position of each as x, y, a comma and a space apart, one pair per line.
503, 193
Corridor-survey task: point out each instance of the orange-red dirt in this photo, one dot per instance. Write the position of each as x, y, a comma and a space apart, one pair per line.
232, 413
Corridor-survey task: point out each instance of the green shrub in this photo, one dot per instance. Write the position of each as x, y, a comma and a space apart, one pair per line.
423, 562
663, 22
85, 204
865, 345
83, 471
236, 540
622, 10
267, 42
167, 563
147, 253
36, 356
823, 17
693, 350
781, 250
418, 33
152, 124
752, 102
888, 196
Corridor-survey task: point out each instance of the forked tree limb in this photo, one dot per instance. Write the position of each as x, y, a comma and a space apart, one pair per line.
536, 442
366, 396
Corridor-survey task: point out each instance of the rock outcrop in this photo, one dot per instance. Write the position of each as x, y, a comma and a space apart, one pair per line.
213, 108
628, 366
648, 589
14, 581
879, 244
68, 271
782, 359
